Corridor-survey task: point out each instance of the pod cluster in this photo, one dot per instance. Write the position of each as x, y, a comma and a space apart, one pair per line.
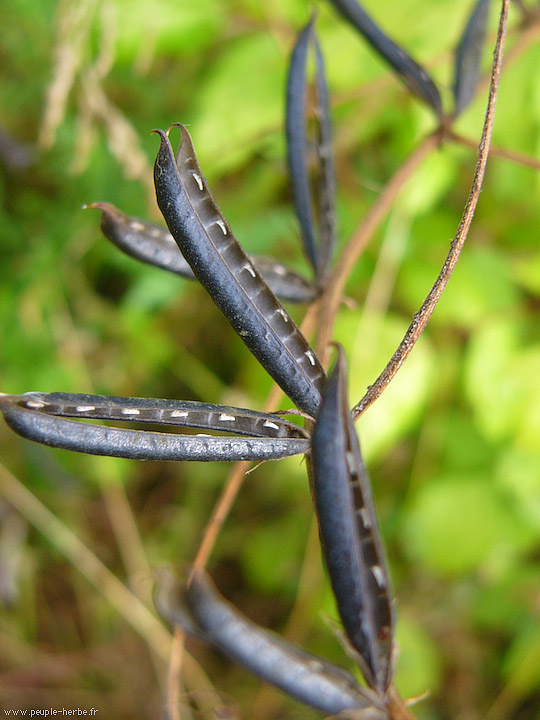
199, 243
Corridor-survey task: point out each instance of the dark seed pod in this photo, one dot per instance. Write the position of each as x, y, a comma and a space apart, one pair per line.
154, 245
414, 75
469, 55
181, 413
318, 252
286, 284
41, 417
201, 611
350, 535
230, 278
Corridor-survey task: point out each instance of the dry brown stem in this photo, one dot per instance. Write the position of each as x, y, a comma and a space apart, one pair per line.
421, 317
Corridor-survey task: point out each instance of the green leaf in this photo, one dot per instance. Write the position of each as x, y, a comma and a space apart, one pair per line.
178, 26
239, 104
502, 382
462, 524
420, 665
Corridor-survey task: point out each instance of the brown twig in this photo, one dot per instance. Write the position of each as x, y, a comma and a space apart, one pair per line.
512, 155
421, 318
334, 291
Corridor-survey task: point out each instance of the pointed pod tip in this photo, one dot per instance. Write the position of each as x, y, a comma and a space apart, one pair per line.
184, 132
337, 379
341, 361
96, 206
7, 400
166, 133
314, 16
157, 131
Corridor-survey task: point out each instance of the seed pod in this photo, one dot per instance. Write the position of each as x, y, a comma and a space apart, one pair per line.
181, 413
154, 245
414, 75
349, 533
42, 417
469, 55
201, 611
225, 271
318, 251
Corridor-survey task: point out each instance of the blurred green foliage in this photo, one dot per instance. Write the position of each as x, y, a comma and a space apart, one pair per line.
453, 446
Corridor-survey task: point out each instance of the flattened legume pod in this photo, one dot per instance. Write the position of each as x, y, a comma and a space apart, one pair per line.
42, 417
230, 278
469, 55
181, 413
154, 245
349, 533
318, 250
410, 71
201, 611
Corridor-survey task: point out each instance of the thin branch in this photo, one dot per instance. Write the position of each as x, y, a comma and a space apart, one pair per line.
174, 684
421, 318
334, 291
513, 156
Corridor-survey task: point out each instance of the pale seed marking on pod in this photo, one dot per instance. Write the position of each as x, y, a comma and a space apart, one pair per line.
136, 225
250, 270
179, 414
227, 418
85, 408
130, 411
364, 517
34, 404
281, 311
198, 180
378, 574
310, 357
221, 226
270, 424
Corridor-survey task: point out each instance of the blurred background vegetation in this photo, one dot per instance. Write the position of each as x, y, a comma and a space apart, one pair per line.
453, 447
